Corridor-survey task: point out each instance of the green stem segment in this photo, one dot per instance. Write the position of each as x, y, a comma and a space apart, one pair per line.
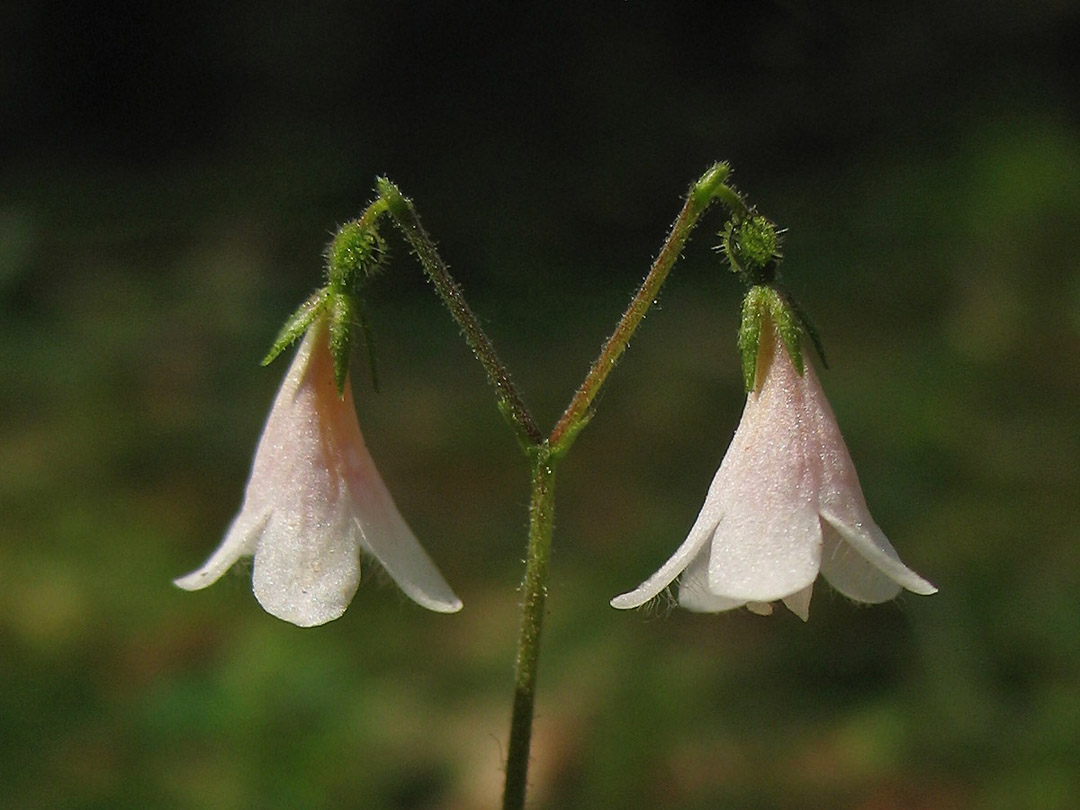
541, 524
702, 194
401, 210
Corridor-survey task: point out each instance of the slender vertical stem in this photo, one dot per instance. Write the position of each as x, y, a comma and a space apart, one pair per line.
544, 452
510, 402
701, 195
541, 522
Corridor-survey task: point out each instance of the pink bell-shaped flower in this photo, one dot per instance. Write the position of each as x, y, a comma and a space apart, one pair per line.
784, 505
314, 501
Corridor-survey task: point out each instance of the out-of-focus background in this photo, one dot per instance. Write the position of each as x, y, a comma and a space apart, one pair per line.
169, 176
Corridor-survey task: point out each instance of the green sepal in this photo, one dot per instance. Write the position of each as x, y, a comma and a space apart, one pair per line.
750, 333
355, 255
297, 324
341, 322
788, 325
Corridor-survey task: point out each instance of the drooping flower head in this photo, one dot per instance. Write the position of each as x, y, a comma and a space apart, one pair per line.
315, 500
785, 505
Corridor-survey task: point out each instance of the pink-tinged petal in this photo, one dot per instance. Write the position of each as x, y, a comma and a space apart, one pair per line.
765, 559
870, 543
386, 536
306, 572
768, 544
843, 509
380, 529
292, 439
375, 523
693, 544
270, 474
390, 540
307, 563
694, 594
799, 602
840, 496
240, 541
852, 574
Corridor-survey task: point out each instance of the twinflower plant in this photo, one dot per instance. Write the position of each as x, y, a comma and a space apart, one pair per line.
784, 506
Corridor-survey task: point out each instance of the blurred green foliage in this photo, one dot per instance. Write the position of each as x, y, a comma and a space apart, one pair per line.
162, 212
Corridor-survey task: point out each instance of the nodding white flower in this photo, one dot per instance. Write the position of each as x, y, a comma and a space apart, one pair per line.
314, 501
784, 505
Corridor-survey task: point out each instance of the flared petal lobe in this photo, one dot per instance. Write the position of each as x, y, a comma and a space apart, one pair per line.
383, 533
313, 501
767, 543
240, 541
694, 550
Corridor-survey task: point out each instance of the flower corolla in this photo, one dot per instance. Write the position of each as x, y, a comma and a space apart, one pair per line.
785, 505
314, 501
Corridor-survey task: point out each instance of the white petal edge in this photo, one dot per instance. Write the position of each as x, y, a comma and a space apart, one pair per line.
850, 573
762, 560
387, 537
694, 594
799, 602
306, 576
240, 541
870, 542
699, 535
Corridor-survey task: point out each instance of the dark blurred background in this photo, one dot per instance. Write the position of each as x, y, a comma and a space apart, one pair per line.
168, 178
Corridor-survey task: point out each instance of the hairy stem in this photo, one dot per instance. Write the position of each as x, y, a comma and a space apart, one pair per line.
541, 523
544, 452
404, 215
701, 195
